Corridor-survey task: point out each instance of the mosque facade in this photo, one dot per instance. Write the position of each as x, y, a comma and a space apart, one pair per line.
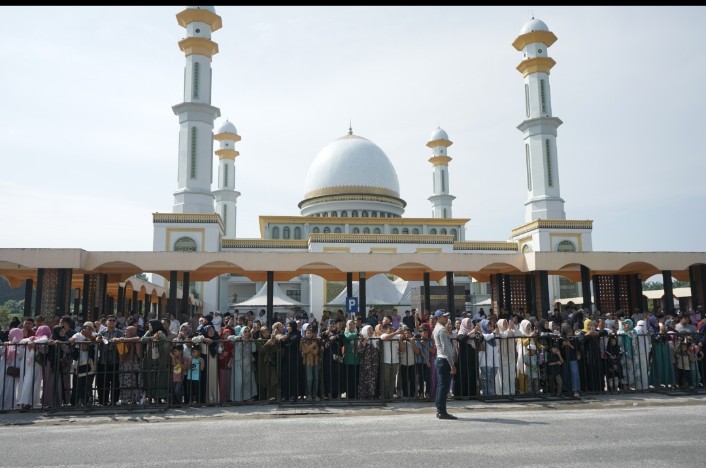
351, 196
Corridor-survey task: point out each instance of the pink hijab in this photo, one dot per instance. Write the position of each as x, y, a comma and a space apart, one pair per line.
15, 336
43, 331
466, 326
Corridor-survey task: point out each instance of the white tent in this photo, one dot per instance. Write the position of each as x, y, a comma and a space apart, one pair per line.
406, 299
279, 299
379, 290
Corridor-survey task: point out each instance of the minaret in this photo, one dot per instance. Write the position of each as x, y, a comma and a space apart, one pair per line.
441, 200
226, 195
539, 127
196, 114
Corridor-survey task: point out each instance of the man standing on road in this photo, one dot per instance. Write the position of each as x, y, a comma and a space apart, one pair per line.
444, 363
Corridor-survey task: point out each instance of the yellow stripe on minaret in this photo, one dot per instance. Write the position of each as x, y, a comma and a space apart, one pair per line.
440, 160
227, 153
202, 16
441, 142
536, 65
226, 136
198, 46
545, 37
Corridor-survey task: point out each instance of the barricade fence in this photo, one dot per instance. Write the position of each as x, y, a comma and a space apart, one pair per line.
161, 374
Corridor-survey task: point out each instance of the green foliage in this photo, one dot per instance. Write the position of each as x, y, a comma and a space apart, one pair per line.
657, 285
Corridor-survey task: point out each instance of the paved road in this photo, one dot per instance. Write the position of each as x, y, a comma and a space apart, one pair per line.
635, 434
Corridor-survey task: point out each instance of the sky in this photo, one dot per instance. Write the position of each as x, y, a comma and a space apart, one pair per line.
101, 80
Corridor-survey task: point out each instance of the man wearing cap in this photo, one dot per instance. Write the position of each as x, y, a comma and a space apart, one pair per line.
445, 367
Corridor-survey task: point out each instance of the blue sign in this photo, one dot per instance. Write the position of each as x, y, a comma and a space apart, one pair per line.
351, 305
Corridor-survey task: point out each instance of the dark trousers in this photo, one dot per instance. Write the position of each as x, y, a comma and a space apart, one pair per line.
443, 370
108, 383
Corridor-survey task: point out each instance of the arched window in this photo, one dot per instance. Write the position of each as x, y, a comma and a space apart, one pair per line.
275, 232
432, 231
297, 233
443, 231
185, 244
366, 231
334, 214
365, 214
344, 214
327, 230
337, 230
376, 231
374, 214
315, 230
354, 214
415, 231
395, 231
454, 233
356, 231
527, 248
566, 246
285, 232
405, 231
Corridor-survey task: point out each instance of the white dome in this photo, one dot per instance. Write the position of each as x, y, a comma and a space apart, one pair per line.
351, 164
534, 25
438, 134
201, 7
228, 127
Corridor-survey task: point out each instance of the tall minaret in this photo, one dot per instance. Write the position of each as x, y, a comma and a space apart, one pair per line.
226, 195
441, 200
539, 127
196, 114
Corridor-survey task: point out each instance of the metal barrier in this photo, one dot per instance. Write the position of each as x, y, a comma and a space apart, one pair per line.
160, 374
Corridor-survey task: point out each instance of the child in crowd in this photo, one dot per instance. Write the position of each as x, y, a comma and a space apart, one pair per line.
554, 363
681, 361
614, 368
179, 366
193, 377
531, 361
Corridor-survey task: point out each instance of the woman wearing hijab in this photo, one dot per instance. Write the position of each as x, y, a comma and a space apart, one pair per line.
243, 386
488, 357
591, 362
627, 338
663, 375
208, 340
465, 380
10, 357
369, 352
156, 362
351, 362
57, 381
33, 354
570, 348
291, 377
643, 345
130, 392
525, 336
507, 370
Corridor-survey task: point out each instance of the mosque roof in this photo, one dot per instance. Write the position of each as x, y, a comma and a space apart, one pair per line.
438, 134
351, 164
202, 7
534, 25
228, 127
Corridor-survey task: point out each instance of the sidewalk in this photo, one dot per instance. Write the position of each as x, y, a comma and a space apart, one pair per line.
456, 407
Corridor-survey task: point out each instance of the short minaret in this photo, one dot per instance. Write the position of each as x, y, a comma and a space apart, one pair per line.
226, 195
196, 114
441, 200
539, 127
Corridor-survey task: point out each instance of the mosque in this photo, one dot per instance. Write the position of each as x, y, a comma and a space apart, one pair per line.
351, 239
351, 200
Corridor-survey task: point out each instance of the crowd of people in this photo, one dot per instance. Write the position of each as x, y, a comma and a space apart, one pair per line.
237, 358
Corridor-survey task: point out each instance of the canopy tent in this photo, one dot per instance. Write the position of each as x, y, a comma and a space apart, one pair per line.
406, 299
279, 299
379, 290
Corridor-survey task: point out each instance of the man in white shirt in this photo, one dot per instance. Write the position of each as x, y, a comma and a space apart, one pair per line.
445, 367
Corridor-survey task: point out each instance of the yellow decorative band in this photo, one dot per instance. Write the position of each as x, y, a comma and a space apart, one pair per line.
440, 160
227, 153
392, 201
199, 16
352, 189
490, 245
552, 224
226, 136
441, 142
198, 46
536, 65
545, 37
263, 244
